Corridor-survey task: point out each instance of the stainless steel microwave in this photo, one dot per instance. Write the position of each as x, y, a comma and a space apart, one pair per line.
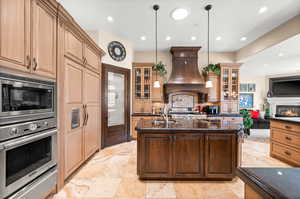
24, 99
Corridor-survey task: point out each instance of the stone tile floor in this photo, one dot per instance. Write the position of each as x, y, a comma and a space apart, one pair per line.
111, 174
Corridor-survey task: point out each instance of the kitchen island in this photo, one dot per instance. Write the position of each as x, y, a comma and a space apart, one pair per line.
188, 149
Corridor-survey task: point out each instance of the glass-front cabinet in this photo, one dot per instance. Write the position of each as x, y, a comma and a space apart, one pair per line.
230, 81
142, 83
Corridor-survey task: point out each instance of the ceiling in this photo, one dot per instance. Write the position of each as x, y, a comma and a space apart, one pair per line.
231, 19
268, 62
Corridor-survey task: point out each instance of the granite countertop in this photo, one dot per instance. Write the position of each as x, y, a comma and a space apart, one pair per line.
156, 115
287, 119
273, 182
201, 125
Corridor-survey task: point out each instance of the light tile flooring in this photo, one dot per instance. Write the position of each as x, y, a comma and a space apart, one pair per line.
111, 174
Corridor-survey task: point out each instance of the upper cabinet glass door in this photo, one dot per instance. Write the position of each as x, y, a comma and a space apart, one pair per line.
234, 84
147, 83
138, 82
225, 86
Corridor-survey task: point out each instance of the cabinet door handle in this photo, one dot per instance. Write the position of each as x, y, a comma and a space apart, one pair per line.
35, 64
84, 114
287, 127
288, 138
287, 153
28, 61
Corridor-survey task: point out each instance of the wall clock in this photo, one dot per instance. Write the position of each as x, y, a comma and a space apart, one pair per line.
116, 51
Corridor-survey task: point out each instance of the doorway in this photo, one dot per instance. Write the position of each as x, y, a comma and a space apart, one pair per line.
115, 105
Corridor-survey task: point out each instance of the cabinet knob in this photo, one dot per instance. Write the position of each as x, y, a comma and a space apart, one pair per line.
35, 64
287, 127
28, 61
287, 153
288, 138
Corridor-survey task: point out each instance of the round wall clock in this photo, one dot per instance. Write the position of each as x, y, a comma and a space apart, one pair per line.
116, 51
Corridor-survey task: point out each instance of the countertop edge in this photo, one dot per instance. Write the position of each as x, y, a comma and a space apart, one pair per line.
285, 120
266, 190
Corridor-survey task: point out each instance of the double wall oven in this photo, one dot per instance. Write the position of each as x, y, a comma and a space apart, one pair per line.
28, 137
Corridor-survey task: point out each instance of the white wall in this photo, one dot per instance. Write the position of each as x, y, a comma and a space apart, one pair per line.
261, 92
103, 39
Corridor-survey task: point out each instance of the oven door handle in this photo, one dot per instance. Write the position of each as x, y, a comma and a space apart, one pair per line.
24, 140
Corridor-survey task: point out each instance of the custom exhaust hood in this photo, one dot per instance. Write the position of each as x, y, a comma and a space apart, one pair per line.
185, 76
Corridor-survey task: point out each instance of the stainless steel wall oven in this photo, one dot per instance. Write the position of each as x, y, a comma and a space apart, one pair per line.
25, 158
24, 99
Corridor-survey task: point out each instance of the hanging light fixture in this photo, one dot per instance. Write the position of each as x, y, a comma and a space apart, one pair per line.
208, 84
156, 82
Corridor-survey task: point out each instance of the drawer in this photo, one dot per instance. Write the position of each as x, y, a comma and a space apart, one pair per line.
285, 137
285, 125
285, 152
234, 119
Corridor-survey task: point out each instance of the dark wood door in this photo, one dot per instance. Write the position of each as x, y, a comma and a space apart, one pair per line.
220, 155
188, 155
115, 105
157, 159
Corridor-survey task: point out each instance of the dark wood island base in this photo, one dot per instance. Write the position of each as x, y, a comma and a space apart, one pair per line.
188, 150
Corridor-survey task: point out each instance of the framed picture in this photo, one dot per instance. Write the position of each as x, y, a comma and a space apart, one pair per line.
243, 87
246, 100
251, 87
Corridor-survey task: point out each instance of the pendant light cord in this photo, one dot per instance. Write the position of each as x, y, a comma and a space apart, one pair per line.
208, 8
155, 36
208, 38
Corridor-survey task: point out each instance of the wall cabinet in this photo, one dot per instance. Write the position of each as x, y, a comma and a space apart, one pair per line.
187, 155
44, 40
229, 85
144, 94
26, 24
214, 92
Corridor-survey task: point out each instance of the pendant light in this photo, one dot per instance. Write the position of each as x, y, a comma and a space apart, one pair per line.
156, 82
208, 84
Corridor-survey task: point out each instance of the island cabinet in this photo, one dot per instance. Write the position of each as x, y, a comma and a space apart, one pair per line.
285, 141
220, 155
187, 156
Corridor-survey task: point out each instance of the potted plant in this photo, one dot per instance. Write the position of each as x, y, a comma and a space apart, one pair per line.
247, 120
212, 68
160, 68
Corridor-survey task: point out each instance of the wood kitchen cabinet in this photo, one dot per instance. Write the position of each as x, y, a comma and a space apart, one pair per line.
15, 34
157, 158
285, 141
188, 155
213, 92
26, 25
79, 60
220, 153
144, 94
44, 40
229, 87
179, 155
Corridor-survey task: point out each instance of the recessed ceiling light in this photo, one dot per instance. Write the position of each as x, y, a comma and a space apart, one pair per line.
110, 19
243, 39
143, 38
193, 38
218, 38
168, 38
263, 9
280, 54
179, 14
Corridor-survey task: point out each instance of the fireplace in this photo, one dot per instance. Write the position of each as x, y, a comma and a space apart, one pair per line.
287, 111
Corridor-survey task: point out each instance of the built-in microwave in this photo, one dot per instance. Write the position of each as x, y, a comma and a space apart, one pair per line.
25, 99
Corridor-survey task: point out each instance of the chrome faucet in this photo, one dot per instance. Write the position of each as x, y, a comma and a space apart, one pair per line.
166, 112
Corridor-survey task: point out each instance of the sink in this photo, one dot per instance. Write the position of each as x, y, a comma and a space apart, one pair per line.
162, 121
